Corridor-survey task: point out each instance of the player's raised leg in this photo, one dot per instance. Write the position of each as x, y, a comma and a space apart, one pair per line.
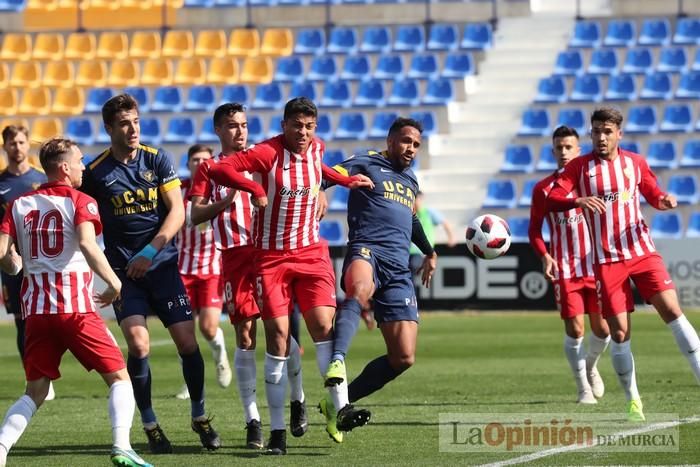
598, 341
575, 355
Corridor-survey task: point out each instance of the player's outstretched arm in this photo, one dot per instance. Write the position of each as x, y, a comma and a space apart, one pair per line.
10, 261
203, 211
98, 262
353, 182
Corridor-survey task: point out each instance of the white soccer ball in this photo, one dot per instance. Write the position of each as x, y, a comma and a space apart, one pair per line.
488, 236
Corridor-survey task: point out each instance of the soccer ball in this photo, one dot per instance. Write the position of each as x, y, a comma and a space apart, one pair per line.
488, 237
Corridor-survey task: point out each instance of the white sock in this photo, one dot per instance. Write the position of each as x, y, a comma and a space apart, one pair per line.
623, 364
688, 342
276, 389
244, 362
121, 405
218, 347
338, 393
16, 421
296, 388
596, 347
573, 349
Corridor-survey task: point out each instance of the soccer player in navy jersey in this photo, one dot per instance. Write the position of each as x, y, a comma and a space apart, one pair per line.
382, 224
137, 190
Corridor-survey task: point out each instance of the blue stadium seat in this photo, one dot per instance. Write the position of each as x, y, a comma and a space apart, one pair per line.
546, 161
693, 229
569, 62
289, 69
150, 131
235, 93
80, 130
586, 34
443, 37
332, 231
376, 39
586, 148
336, 94
274, 126
552, 89
525, 199
428, 119
333, 157
207, 134
351, 126
268, 96
255, 129
342, 40
310, 41
180, 131
96, 97
518, 159
370, 93
142, 96
656, 86
621, 87
409, 38
574, 118
324, 128
12, 5
621, 33
603, 62
458, 65
389, 67
689, 86
631, 146
199, 3
677, 118
641, 119
687, 31
423, 66
322, 68
167, 99
586, 89
661, 154
477, 36
404, 92
232, 3
339, 199
535, 122
439, 91
519, 226
381, 123
638, 60
500, 194
667, 225
684, 188
102, 136
672, 59
691, 154
356, 67
201, 98
655, 31
303, 89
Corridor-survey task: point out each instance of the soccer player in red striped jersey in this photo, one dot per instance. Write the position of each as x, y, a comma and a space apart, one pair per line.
568, 264
607, 185
54, 229
292, 262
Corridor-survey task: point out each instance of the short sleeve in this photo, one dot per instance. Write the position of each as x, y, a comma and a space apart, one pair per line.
8, 223
86, 211
165, 172
201, 183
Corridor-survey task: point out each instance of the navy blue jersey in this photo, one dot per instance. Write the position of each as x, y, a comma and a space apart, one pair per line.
382, 218
13, 186
129, 198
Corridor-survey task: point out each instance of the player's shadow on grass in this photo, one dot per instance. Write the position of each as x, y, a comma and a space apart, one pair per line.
452, 404
61, 450
243, 453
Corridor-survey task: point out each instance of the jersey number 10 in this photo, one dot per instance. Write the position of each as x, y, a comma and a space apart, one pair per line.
45, 233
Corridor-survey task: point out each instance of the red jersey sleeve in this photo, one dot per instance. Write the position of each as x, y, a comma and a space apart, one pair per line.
201, 185
229, 172
649, 185
537, 213
566, 183
8, 223
335, 177
86, 211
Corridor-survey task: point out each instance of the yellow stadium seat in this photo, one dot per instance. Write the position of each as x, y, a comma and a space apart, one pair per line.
157, 72
81, 46
35, 101
16, 46
48, 46
25, 75
113, 45
45, 128
59, 74
244, 43
8, 101
190, 71
223, 70
91, 73
16, 121
124, 73
277, 42
178, 44
68, 101
51, 15
4, 75
211, 43
256, 70
3, 162
145, 44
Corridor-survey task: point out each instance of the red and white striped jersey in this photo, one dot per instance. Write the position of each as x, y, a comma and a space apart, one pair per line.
232, 226
57, 278
570, 243
198, 250
619, 233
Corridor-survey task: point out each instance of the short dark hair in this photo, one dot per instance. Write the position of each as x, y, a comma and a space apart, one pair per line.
225, 110
300, 105
53, 152
401, 122
11, 131
564, 131
195, 148
118, 103
607, 114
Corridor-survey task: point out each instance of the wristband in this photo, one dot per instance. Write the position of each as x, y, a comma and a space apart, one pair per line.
147, 252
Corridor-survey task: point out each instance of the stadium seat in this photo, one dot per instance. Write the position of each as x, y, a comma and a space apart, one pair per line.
535, 122
351, 126
389, 67
689, 86
34, 101
641, 119
324, 127
656, 86
289, 69
322, 68
12, 5
113, 46
621, 87
672, 59
255, 129
201, 98
586, 89
666, 225
142, 97
48, 46
178, 44
586, 34
96, 97
621, 33
4, 75
546, 161
423, 66
409, 38
68, 101
339, 199
268, 96
58, 74
256, 70
102, 136
569, 62
244, 43
145, 45
80, 46
691, 154
477, 36
655, 31
500, 194
16, 47
693, 230
207, 134
235, 93
438, 91
150, 131
25, 75
574, 118
190, 71
45, 128
525, 200
332, 231
167, 99
157, 72
210, 43
603, 62
80, 130
370, 93
684, 188
677, 118
303, 89
376, 39
519, 226
380, 124
274, 127
124, 73
551, 89
91, 73
180, 131
336, 94
404, 92
333, 157
661, 154
638, 60
277, 42
355, 67
342, 40
9, 100
458, 65
310, 41
443, 37
222, 71
687, 31
518, 159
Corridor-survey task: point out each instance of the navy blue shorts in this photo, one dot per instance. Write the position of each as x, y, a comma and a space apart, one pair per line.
11, 294
394, 295
160, 291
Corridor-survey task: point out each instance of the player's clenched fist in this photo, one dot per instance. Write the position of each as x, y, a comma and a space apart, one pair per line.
259, 202
591, 203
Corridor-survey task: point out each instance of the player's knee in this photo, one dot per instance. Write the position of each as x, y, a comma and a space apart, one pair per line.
139, 349
619, 335
403, 362
245, 339
361, 292
208, 330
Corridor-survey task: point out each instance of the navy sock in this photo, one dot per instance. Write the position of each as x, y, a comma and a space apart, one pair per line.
374, 376
193, 371
140, 374
347, 320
